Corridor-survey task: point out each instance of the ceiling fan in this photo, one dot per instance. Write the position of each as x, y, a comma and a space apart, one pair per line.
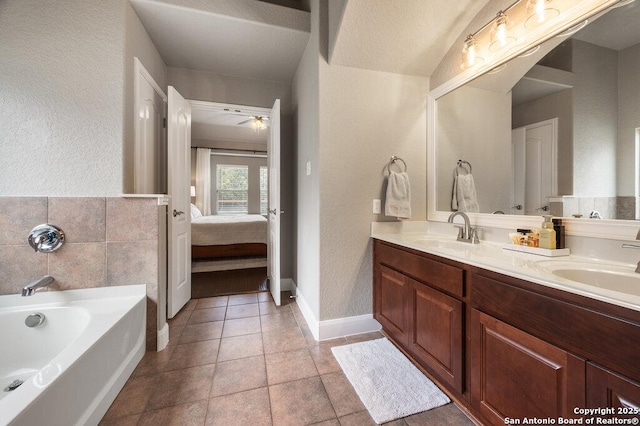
258, 122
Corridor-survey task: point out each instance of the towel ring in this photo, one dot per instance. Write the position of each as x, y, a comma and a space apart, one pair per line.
393, 160
461, 165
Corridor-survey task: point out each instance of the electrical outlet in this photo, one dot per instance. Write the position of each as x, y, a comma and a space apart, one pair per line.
377, 206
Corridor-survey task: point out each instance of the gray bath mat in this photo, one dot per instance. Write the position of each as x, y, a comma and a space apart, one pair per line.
388, 384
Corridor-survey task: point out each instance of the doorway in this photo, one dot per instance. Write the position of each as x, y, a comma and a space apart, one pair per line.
534, 167
233, 148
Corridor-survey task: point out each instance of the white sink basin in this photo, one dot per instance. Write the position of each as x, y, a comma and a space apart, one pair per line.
605, 276
457, 247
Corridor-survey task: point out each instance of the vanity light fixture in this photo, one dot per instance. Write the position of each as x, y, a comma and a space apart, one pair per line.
500, 34
574, 29
539, 13
470, 56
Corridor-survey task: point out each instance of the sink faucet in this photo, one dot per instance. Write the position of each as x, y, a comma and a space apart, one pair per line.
466, 232
634, 246
31, 288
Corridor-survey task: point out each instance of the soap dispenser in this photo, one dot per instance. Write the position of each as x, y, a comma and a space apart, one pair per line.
547, 234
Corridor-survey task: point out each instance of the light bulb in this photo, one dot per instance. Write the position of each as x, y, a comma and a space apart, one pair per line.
501, 31
540, 8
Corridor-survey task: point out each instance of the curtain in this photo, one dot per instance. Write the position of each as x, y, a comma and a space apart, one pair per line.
203, 180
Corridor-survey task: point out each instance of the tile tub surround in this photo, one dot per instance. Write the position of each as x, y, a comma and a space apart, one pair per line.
108, 241
252, 363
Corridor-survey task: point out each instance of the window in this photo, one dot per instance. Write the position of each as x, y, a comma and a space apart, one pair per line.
233, 189
264, 190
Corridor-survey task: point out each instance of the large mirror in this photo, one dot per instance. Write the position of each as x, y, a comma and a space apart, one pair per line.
554, 130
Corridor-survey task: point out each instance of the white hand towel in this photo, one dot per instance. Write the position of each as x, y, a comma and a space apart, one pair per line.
464, 194
398, 201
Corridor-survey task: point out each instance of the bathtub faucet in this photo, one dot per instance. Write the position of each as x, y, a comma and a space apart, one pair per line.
31, 288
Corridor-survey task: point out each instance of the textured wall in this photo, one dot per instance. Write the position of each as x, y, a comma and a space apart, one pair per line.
62, 68
475, 125
595, 108
305, 105
628, 117
384, 114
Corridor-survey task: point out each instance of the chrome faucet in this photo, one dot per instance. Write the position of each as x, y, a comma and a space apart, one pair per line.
634, 246
466, 232
31, 288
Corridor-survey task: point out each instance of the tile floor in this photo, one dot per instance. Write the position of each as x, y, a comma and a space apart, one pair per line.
241, 360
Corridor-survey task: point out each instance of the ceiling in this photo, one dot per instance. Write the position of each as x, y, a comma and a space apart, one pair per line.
241, 38
265, 40
400, 36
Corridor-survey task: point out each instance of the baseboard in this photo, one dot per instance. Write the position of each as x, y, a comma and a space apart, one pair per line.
340, 327
163, 337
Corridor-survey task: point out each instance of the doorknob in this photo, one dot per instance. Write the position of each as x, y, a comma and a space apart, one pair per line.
177, 213
518, 207
544, 208
272, 211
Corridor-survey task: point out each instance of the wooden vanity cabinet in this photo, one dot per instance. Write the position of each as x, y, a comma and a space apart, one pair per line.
502, 347
606, 389
516, 375
413, 307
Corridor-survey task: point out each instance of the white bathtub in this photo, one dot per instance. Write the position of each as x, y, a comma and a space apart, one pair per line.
76, 362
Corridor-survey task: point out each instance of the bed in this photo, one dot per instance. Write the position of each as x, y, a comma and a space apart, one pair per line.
218, 236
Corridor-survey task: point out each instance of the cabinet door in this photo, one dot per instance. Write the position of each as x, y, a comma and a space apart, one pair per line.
606, 389
392, 303
436, 333
516, 375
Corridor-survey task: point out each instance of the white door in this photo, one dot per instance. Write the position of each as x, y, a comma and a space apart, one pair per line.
179, 219
537, 161
150, 147
273, 162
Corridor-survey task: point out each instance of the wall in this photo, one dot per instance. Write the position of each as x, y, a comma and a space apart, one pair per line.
109, 242
475, 125
305, 107
559, 105
62, 68
208, 86
383, 115
628, 117
595, 108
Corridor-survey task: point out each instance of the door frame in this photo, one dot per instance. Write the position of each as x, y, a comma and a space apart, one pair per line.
245, 109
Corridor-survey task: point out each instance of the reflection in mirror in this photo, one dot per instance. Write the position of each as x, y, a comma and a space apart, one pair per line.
555, 130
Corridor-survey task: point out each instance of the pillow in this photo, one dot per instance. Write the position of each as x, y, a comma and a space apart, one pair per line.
195, 212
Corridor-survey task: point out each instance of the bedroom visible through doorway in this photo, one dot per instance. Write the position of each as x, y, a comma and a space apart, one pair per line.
230, 199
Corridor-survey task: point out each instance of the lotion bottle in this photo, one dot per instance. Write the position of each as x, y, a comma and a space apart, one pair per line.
547, 234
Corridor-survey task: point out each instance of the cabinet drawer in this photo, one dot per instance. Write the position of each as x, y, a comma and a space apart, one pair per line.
438, 275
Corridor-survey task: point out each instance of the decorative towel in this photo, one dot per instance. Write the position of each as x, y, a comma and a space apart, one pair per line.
398, 201
464, 194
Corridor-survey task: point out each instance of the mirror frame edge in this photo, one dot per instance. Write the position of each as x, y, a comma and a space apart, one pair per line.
605, 229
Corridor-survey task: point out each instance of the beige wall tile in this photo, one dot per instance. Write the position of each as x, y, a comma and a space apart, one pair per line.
132, 263
18, 216
19, 265
82, 219
132, 219
81, 265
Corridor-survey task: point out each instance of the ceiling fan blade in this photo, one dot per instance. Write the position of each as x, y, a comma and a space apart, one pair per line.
244, 122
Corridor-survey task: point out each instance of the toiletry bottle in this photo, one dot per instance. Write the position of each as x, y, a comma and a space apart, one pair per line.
547, 234
559, 228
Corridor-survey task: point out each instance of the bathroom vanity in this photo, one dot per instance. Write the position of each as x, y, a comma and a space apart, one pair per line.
501, 346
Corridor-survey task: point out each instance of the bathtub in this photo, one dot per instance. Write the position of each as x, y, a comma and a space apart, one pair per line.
76, 362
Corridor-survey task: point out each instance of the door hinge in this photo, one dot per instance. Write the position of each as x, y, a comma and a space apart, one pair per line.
164, 122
